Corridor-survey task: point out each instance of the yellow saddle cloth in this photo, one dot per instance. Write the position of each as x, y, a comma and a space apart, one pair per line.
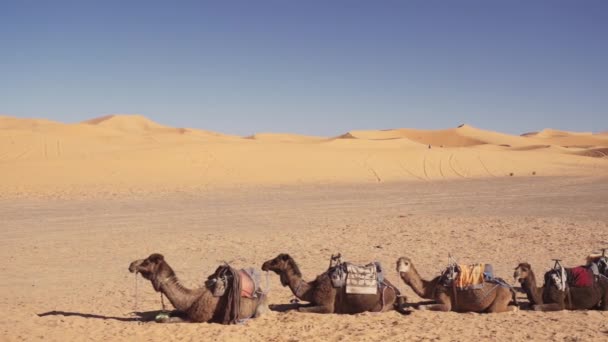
470, 276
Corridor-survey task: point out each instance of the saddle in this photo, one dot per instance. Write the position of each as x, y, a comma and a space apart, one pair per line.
248, 278
231, 284
562, 278
598, 263
470, 276
357, 279
466, 277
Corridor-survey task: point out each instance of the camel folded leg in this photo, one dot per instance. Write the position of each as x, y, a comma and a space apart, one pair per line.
443, 304
502, 301
172, 317
548, 307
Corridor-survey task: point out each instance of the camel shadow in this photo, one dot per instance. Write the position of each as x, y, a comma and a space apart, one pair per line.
143, 316
287, 307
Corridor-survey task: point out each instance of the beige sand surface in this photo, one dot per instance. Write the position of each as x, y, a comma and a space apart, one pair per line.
130, 153
79, 202
71, 256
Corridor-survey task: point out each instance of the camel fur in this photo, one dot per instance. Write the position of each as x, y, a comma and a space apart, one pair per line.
193, 305
490, 298
321, 294
550, 298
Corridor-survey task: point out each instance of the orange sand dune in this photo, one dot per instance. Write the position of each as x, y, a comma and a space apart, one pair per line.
569, 139
124, 152
462, 136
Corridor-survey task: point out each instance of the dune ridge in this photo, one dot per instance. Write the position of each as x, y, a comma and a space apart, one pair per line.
122, 152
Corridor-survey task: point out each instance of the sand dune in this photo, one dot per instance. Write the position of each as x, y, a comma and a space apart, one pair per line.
126, 152
282, 137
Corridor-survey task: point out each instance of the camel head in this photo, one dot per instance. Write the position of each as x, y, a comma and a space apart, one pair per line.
284, 266
522, 271
153, 268
404, 267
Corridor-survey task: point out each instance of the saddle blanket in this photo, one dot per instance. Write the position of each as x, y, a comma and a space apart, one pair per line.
361, 279
581, 277
250, 282
470, 276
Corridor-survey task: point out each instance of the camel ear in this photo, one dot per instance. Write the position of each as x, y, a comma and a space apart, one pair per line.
285, 257
156, 258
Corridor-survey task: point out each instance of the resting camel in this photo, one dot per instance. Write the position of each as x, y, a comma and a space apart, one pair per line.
491, 298
193, 305
321, 294
550, 298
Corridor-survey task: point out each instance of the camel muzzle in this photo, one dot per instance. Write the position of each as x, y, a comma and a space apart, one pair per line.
134, 265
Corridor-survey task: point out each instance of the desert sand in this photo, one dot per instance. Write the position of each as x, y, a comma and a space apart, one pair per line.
130, 153
79, 202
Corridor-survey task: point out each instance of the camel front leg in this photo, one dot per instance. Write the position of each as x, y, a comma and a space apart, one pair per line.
548, 307
444, 303
173, 317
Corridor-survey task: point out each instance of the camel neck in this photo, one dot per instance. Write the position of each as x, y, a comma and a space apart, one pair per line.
299, 287
423, 288
180, 297
532, 291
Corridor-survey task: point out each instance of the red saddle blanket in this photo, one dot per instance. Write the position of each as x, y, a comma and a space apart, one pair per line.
247, 285
581, 277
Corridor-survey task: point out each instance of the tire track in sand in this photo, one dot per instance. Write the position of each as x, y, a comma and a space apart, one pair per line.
452, 166
484, 166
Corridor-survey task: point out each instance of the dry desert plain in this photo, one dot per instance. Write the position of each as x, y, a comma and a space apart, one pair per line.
79, 202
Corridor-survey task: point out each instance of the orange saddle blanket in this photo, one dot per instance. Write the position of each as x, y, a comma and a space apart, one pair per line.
470, 276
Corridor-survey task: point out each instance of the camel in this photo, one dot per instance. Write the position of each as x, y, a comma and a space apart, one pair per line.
492, 298
321, 294
523, 273
550, 298
193, 305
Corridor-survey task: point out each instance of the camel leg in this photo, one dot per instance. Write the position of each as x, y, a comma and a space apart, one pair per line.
501, 303
262, 307
443, 304
548, 307
604, 305
171, 319
316, 309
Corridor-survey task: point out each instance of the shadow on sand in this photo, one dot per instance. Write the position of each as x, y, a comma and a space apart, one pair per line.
144, 316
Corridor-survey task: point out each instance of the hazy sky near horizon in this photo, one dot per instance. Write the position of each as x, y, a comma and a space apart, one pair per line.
310, 67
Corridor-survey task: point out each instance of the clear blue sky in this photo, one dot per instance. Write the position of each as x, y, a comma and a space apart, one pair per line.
312, 67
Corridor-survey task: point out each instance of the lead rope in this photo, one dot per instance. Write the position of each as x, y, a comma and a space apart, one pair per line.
162, 302
136, 301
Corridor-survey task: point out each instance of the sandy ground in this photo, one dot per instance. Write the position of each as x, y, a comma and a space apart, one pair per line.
128, 154
68, 257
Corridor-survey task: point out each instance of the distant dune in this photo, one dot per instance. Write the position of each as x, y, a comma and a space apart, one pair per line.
119, 153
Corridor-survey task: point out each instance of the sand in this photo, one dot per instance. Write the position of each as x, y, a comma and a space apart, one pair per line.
130, 153
79, 202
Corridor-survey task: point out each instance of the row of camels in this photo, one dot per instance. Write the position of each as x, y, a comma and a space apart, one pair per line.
200, 305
